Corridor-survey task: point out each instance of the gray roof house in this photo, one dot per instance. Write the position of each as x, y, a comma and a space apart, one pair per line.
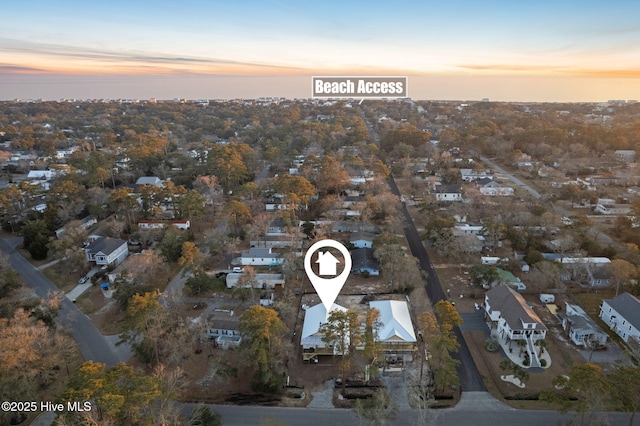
107, 251
223, 330
581, 329
511, 318
448, 193
362, 260
622, 314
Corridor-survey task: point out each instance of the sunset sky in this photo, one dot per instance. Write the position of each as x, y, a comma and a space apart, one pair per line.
502, 50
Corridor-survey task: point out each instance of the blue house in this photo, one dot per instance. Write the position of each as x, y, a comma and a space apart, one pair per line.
362, 260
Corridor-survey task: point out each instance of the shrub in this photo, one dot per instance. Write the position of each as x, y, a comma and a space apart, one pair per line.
543, 362
491, 345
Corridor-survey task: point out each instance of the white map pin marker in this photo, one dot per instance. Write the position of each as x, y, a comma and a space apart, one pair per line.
327, 288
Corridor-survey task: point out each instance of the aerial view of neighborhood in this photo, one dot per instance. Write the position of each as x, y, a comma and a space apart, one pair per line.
248, 235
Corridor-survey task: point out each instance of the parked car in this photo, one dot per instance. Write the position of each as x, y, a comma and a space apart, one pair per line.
83, 280
238, 269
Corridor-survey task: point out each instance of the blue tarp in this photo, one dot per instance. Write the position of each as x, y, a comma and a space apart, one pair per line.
104, 286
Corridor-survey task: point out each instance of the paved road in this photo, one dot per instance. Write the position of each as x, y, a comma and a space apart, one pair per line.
511, 177
93, 345
470, 378
474, 409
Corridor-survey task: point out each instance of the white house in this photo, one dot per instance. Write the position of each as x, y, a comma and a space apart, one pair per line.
182, 224
469, 175
461, 229
260, 257
361, 239
311, 338
581, 329
614, 209
223, 330
448, 193
107, 251
263, 281
503, 191
396, 335
85, 223
509, 315
622, 315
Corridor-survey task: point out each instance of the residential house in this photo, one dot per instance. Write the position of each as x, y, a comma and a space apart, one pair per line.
622, 315
581, 329
223, 330
625, 155
470, 175
277, 227
85, 223
607, 179
363, 261
487, 183
182, 224
507, 278
361, 239
263, 281
503, 191
271, 241
449, 193
512, 319
465, 229
312, 335
349, 226
352, 201
276, 202
395, 334
150, 180
585, 270
260, 257
107, 251
614, 209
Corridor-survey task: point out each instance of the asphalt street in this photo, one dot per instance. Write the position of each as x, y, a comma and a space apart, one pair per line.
93, 345
470, 378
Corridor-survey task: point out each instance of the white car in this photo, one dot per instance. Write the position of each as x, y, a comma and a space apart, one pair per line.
83, 280
237, 269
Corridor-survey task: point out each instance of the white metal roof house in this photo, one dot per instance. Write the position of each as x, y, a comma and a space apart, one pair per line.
107, 251
311, 338
622, 314
150, 180
511, 317
396, 333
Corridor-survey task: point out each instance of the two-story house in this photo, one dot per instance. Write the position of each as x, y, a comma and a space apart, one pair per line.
622, 315
107, 251
509, 315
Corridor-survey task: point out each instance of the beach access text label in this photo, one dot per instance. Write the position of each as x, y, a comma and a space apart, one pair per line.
359, 87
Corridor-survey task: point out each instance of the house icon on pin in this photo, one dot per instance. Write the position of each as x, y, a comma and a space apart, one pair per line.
327, 263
